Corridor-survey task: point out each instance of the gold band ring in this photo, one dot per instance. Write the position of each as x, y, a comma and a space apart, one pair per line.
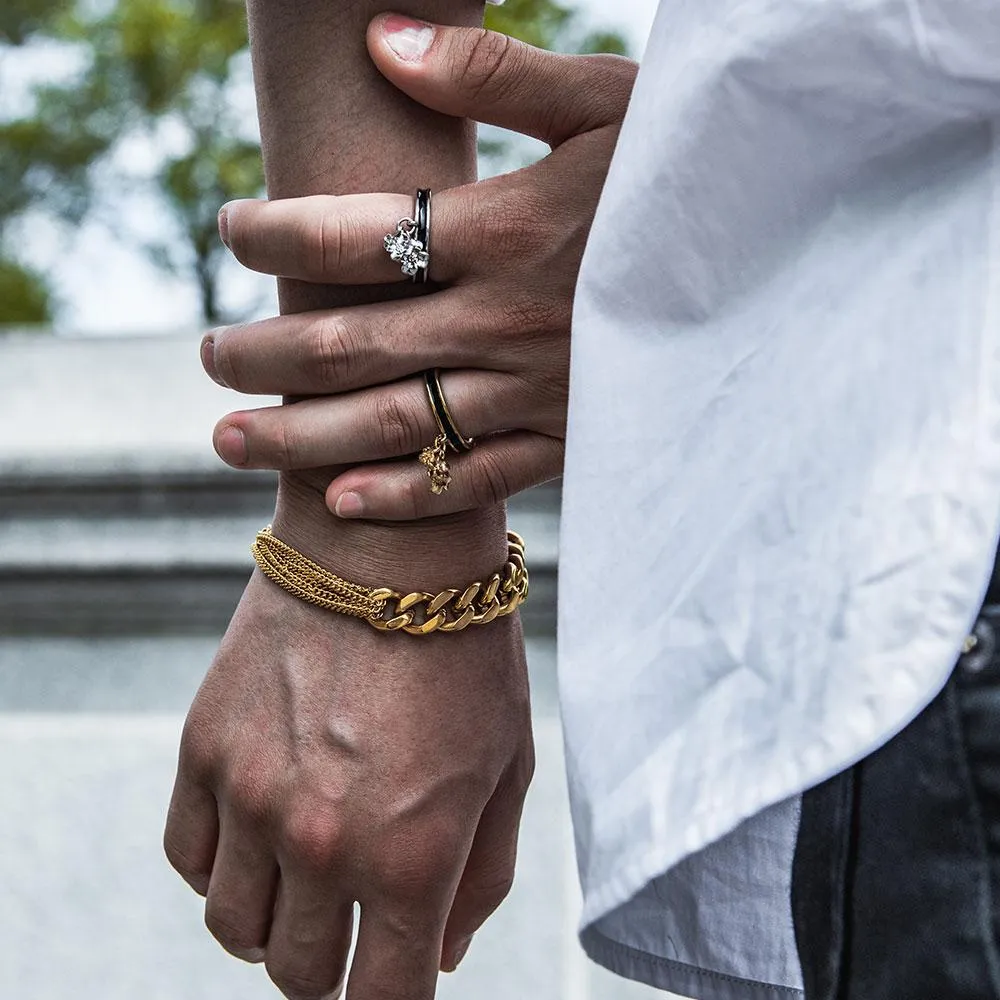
433, 457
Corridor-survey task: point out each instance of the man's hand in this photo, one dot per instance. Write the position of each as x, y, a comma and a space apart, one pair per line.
505, 254
324, 763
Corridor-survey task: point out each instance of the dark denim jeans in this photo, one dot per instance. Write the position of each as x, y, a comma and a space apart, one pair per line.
896, 885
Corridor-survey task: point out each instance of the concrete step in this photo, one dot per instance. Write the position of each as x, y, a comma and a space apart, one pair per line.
133, 573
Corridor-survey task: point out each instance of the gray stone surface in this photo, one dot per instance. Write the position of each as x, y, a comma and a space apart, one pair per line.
82, 405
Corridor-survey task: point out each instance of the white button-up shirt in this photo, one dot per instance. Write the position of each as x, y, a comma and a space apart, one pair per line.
782, 483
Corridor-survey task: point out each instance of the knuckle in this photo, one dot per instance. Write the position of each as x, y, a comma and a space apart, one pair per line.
332, 353
226, 926
272, 441
253, 792
295, 984
496, 890
416, 868
199, 753
396, 429
227, 357
313, 836
413, 498
480, 66
335, 243
193, 873
621, 74
327, 246
492, 483
613, 81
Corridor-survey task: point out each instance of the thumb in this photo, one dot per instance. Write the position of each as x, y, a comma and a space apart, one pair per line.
490, 77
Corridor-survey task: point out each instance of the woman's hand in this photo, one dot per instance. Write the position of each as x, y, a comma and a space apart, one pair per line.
505, 254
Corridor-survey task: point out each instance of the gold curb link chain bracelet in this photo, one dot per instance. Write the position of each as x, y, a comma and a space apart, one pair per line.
416, 613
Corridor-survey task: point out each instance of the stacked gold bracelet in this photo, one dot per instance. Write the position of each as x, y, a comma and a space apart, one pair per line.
417, 613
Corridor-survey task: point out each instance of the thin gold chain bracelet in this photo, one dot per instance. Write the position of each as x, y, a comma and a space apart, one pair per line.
416, 613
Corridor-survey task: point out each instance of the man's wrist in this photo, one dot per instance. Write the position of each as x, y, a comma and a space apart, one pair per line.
430, 555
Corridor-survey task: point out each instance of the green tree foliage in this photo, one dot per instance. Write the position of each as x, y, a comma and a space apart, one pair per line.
149, 66
20, 19
24, 295
550, 25
172, 62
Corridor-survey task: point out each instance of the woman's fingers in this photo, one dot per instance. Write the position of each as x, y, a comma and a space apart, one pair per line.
339, 239
334, 351
495, 469
386, 422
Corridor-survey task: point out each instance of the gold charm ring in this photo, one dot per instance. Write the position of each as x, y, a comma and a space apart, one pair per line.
433, 457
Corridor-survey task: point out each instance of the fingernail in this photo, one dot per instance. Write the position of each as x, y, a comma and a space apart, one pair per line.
458, 954
208, 360
233, 446
224, 224
409, 39
350, 505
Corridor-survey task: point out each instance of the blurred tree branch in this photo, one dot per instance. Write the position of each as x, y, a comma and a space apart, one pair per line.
151, 69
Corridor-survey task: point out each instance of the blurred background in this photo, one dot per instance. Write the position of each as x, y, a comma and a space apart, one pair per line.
124, 125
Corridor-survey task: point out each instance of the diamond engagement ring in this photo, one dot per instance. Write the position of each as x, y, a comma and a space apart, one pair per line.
409, 245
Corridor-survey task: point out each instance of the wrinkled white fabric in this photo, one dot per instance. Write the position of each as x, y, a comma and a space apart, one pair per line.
782, 482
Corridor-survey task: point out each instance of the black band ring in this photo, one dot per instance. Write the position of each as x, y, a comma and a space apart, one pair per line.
442, 415
422, 229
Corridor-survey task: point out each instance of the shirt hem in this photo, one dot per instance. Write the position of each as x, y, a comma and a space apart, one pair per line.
677, 977
713, 822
